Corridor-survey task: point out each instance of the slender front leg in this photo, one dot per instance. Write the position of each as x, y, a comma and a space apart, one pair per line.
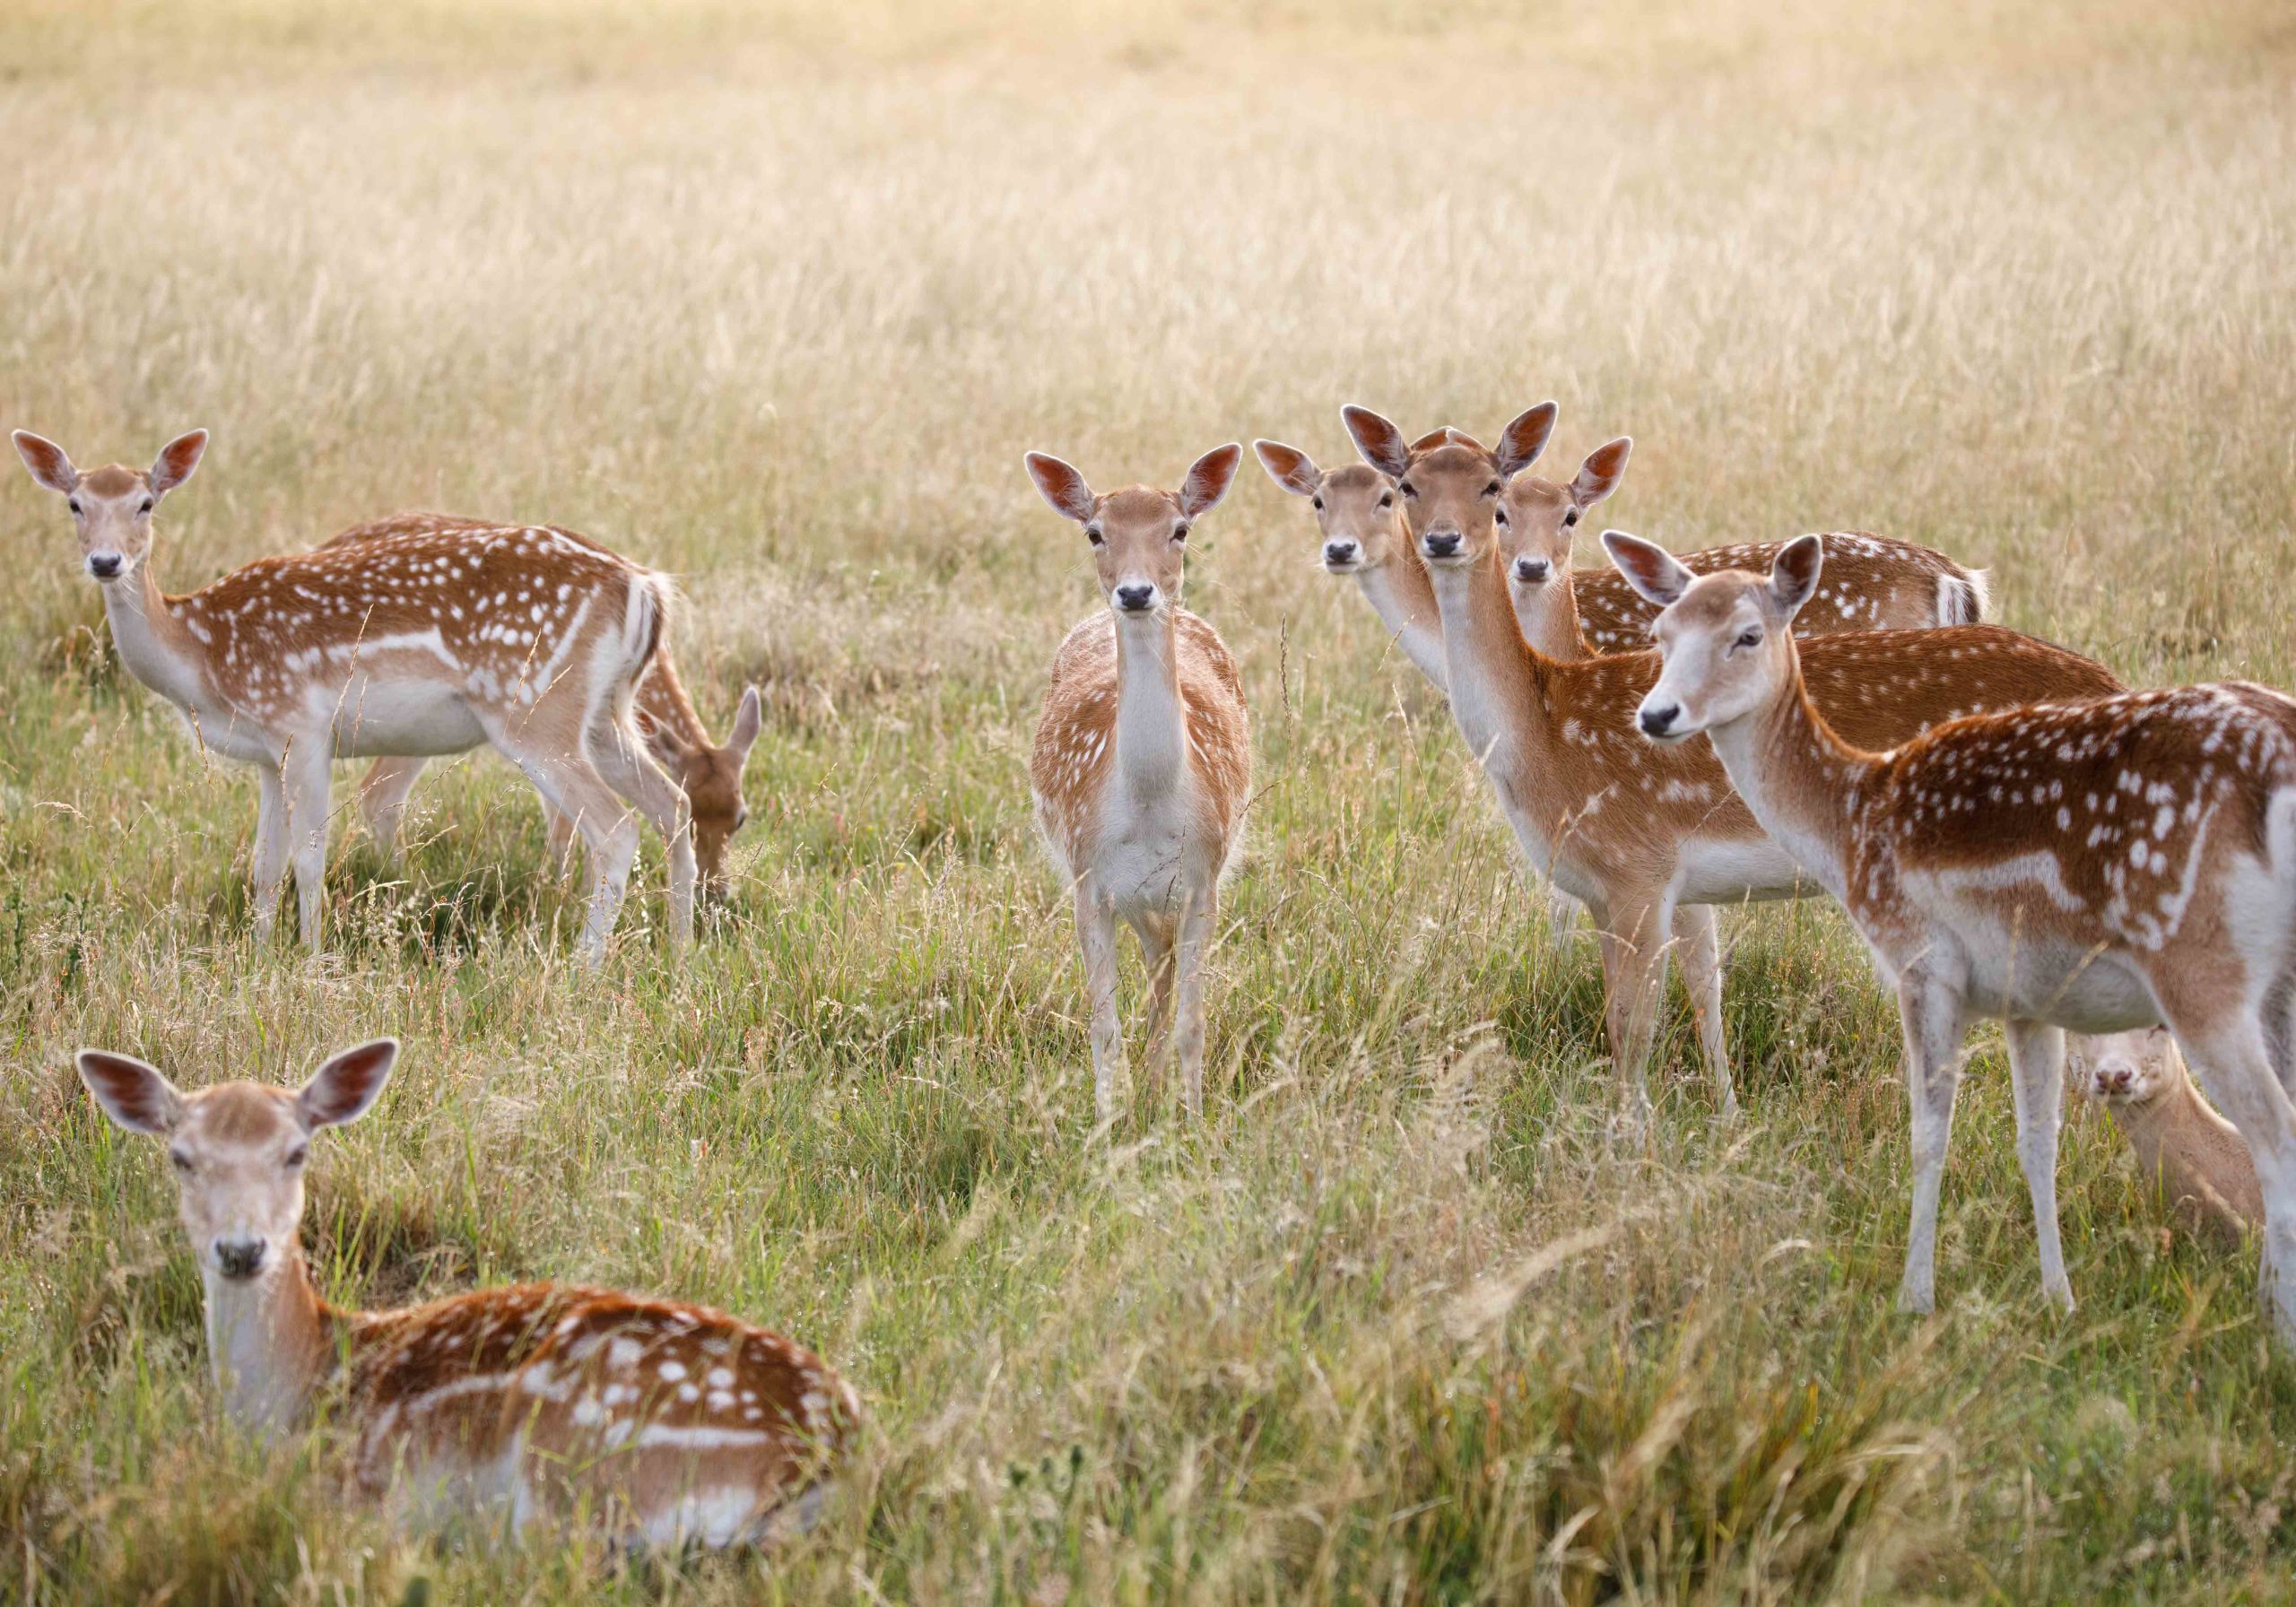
562, 837
1096, 938
2037, 1078
622, 758
309, 788
382, 799
1156, 944
270, 849
1638, 977
1187, 1030
1933, 1016
1698, 951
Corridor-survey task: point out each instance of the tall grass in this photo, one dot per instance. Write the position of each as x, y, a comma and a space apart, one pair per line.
776, 297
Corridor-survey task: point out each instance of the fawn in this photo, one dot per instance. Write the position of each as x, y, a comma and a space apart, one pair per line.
2179, 1142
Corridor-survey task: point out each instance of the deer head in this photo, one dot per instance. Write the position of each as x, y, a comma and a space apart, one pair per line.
1138, 535
111, 507
1727, 637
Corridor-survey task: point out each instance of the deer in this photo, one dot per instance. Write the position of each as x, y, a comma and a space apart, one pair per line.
2097, 866
1141, 768
2181, 1145
661, 1421
709, 774
1878, 584
1650, 840
410, 646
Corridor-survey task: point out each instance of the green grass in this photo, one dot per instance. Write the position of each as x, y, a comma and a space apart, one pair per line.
777, 300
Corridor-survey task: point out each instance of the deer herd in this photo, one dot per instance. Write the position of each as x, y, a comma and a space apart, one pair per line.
2013, 833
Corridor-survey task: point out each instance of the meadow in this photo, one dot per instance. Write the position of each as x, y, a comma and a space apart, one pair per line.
774, 297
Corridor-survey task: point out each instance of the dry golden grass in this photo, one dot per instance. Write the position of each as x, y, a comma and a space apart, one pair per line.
776, 296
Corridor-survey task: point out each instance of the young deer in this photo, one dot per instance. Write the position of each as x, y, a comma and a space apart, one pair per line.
660, 1421
1142, 761
708, 775
2180, 1143
420, 643
1651, 839
2099, 866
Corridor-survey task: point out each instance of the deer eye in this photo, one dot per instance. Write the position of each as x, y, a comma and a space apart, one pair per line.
147, 505
1570, 518
73, 503
1180, 533
297, 1155
1499, 514
1386, 499
1093, 534
1410, 491
1751, 636
182, 1162
1492, 490
741, 817
1316, 503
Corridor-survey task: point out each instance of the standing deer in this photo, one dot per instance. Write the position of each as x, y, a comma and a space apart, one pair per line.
1651, 839
2099, 866
1142, 761
659, 1420
708, 775
421, 644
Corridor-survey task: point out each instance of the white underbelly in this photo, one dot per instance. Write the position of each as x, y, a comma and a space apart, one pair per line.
397, 717
2013, 976
1740, 871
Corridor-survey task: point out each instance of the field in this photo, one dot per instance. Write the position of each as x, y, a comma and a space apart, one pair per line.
775, 298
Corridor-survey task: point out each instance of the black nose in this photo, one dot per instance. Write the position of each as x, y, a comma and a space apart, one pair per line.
1443, 543
1656, 721
1531, 569
239, 1257
1133, 599
103, 566
1339, 552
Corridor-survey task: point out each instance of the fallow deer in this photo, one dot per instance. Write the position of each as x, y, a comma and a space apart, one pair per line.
1652, 840
1141, 766
2098, 866
661, 1421
420, 643
2180, 1143
710, 776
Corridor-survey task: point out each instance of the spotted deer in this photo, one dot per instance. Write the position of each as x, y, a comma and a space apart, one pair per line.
710, 776
413, 645
659, 1420
1877, 584
2194, 1155
1652, 840
1142, 761
2097, 866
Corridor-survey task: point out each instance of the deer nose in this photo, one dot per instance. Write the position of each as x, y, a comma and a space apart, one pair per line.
1532, 568
2117, 1079
1135, 599
1443, 543
1339, 552
240, 1257
1657, 722
104, 566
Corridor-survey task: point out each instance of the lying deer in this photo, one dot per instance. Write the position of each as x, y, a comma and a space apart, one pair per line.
421, 644
1651, 839
2181, 1145
2100, 866
660, 1421
710, 776
1142, 761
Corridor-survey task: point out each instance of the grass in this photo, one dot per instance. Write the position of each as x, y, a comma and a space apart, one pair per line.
776, 297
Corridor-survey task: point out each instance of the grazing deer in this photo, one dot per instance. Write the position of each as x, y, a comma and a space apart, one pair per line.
420, 643
1650, 840
2194, 1155
708, 775
661, 1420
2099, 866
1142, 761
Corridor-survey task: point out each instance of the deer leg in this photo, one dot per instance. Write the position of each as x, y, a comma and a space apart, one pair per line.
2037, 1077
1698, 952
1638, 977
1096, 939
271, 841
562, 837
571, 786
2228, 1049
1187, 1030
622, 758
1933, 1018
1156, 945
309, 788
382, 799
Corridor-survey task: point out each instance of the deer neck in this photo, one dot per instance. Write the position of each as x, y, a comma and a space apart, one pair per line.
1401, 594
666, 714
152, 641
1498, 682
1548, 616
1151, 721
1801, 781
270, 1342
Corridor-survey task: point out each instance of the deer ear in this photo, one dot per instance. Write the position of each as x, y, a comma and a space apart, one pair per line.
1208, 478
1648, 568
341, 1090
1380, 443
134, 1095
1289, 467
1062, 486
48, 463
1599, 476
747, 720
177, 460
1794, 573
1522, 441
